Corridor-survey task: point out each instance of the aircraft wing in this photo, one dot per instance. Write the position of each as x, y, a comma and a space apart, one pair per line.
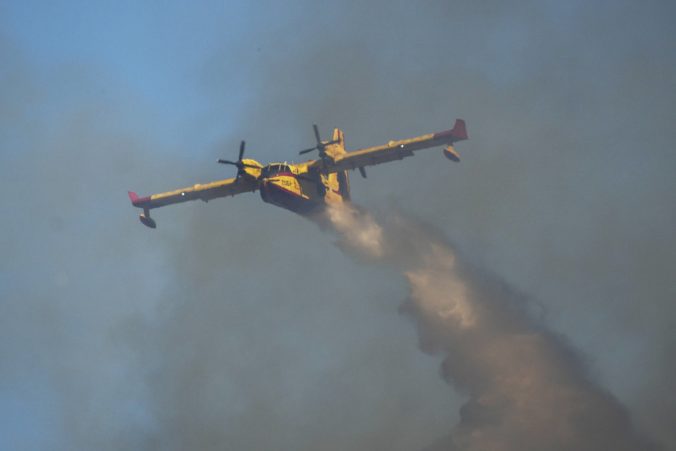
205, 192
396, 150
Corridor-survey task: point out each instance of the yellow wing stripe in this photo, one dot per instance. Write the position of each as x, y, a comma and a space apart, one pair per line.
197, 188
202, 191
397, 150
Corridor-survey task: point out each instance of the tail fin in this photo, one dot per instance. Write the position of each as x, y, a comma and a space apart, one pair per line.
338, 147
339, 136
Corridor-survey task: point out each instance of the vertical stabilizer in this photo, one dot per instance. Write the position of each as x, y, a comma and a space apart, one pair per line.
337, 148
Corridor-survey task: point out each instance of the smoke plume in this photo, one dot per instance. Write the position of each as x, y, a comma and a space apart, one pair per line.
526, 388
237, 325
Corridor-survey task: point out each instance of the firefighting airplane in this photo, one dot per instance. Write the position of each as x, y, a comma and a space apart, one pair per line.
303, 188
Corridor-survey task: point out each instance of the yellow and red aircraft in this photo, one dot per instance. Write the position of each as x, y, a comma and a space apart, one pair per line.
303, 188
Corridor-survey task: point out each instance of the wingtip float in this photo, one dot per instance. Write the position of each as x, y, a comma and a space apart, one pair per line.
303, 188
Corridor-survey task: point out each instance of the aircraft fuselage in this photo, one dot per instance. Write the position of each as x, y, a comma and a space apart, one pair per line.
294, 188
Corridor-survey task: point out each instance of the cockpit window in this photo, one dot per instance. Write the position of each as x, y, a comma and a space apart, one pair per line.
273, 169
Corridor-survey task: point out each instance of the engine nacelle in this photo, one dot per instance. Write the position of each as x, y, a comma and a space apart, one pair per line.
451, 154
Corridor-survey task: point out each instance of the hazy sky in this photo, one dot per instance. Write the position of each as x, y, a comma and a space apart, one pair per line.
237, 325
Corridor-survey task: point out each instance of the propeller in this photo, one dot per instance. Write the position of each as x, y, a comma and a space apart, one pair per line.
321, 145
239, 164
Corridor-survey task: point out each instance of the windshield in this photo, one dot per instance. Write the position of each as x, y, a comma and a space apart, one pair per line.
273, 169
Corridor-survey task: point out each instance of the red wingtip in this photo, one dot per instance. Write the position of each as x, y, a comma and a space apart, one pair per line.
133, 197
459, 131
137, 201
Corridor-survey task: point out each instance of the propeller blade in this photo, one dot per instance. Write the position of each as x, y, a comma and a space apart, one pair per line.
320, 144
316, 129
234, 163
307, 150
362, 171
241, 150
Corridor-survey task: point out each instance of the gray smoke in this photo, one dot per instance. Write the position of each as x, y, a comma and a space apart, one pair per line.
236, 325
527, 389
